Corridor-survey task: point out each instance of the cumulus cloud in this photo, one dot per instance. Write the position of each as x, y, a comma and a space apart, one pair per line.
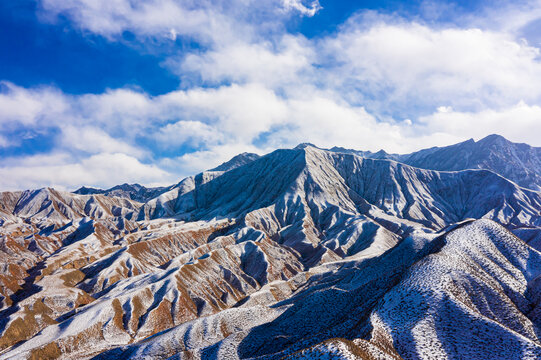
273, 64
20, 105
307, 10
149, 18
93, 140
520, 123
187, 132
64, 172
208, 22
397, 64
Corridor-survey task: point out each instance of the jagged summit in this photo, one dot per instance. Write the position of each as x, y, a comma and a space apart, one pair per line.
382, 154
339, 149
135, 192
494, 138
520, 163
236, 161
305, 145
87, 190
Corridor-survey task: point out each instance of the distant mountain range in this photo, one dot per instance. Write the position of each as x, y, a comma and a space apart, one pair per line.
520, 163
143, 194
135, 192
303, 253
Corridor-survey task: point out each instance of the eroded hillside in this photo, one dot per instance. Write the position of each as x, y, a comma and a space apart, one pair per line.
297, 253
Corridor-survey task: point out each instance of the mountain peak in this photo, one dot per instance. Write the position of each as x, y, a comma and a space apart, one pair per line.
135, 192
236, 161
88, 190
127, 186
520, 163
494, 139
306, 145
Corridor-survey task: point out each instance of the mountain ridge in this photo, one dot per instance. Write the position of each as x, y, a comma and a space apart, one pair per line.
299, 252
518, 162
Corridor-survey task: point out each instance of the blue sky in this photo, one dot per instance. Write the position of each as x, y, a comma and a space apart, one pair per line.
100, 92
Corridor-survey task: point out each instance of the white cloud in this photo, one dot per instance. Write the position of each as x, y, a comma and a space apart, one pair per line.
275, 65
64, 172
94, 141
444, 109
122, 111
209, 22
148, 18
239, 111
187, 132
173, 34
298, 5
403, 65
4, 142
519, 123
20, 105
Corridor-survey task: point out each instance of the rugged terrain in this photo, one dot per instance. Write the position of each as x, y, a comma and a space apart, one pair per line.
520, 163
301, 253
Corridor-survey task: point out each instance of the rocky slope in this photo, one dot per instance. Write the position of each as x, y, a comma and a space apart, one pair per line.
448, 297
296, 254
134, 192
143, 194
520, 163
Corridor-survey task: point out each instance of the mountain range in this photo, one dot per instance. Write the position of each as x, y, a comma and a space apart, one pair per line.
520, 163
299, 254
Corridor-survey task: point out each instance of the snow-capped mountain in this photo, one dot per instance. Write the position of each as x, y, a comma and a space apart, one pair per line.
236, 161
301, 253
135, 192
143, 194
520, 163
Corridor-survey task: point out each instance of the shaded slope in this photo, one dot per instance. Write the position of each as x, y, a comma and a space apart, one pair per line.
520, 163
476, 298
449, 297
134, 192
237, 161
517, 162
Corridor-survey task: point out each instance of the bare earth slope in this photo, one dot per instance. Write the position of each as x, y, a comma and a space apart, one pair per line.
448, 298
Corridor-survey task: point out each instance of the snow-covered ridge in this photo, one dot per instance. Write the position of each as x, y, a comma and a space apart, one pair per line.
431, 198
143, 194
134, 192
520, 163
